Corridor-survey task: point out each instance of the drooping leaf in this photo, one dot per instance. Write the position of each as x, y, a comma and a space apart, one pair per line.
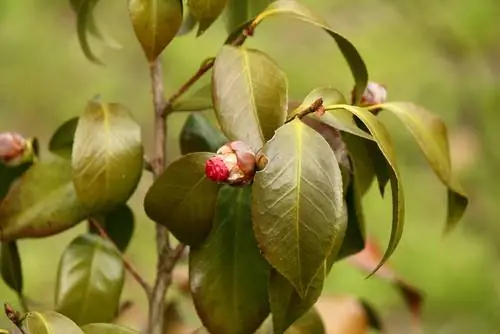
118, 224
250, 95
85, 23
200, 135
103, 328
61, 142
240, 11
49, 322
205, 12
228, 275
198, 101
183, 199
368, 259
297, 203
384, 142
297, 10
107, 156
155, 23
363, 165
41, 203
10, 266
286, 304
431, 136
90, 280
8, 174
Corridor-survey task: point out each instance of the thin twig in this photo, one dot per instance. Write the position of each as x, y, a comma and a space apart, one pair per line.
316, 106
15, 317
128, 265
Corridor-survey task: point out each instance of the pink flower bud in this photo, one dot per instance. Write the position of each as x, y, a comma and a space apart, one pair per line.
12, 147
234, 164
216, 170
374, 94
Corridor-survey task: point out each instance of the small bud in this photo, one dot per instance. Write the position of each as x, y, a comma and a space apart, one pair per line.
374, 94
234, 164
12, 147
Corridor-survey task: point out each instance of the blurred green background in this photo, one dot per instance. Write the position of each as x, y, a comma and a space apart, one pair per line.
444, 55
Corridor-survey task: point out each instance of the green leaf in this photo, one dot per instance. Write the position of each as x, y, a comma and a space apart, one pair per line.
200, 135
183, 199
8, 174
250, 95
431, 136
155, 23
10, 266
41, 203
354, 240
363, 165
118, 224
228, 275
90, 280
198, 101
61, 142
298, 11
298, 204
85, 23
240, 11
188, 23
107, 157
309, 323
384, 142
107, 329
49, 322
205, 12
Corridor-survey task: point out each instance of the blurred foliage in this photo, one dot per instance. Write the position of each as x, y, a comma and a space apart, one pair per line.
444, 56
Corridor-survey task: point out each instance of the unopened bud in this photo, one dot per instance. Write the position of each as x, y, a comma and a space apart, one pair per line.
234, 164
12, 147
375, 93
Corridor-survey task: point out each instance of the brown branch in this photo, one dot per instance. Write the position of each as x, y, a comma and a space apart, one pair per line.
15, 317
316, 106
128, 265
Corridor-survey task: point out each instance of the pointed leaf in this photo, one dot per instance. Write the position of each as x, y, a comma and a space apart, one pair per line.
103, 328
10, 266
118, 224
240, 11
200, 135
61, 142
205, 12
188, 23
155, 23
363, 165
298, 204
228, 275
41, 203
384, 142
49, 322
295, 9
107, 157
183, 199
250, 95
309, 323
90, 280
198, 101
84, 10
431, 136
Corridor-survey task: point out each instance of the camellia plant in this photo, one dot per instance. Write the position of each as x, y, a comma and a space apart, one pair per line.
262, 202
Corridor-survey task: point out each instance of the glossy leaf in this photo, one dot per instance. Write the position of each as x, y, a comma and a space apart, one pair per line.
205, 12
431, 136
102, 328
61, 142
118, 224
250, 95
384, 142
183, 199
298, 204
107, 157
367, 261
155, 23
240, 11
198, 101
228, 275
49, 322
297, 10
90, 280
41, 203
10, 266
200, 135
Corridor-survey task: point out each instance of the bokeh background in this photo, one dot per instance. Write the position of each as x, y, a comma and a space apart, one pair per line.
442, 54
